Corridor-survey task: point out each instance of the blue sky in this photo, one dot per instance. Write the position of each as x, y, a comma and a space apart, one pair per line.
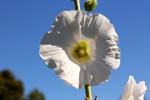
24, 22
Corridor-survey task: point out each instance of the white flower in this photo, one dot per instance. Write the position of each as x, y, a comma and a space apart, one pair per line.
134, 91
81, 49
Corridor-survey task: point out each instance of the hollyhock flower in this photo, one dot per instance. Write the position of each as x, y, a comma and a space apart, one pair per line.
134, 91
81, 48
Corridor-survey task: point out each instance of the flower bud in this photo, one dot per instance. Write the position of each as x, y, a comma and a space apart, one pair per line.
90, 5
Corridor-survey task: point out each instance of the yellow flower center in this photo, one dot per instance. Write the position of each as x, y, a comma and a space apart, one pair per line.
81, 51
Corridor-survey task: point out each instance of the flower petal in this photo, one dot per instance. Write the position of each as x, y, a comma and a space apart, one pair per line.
140, 98
106, 46
68, 25
139, 89
99, 27
65, 29
99, 72
49, 52
91, 24
70, 73
64, 68
85, 76
129, 88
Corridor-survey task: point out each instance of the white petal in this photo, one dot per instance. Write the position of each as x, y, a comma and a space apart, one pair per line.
132, 83
140, 98
85, 76
130, 98
129, 88
139, 89
99, 27
99, 71
49, 52
70, 73
65, 29
64, 68
107, 49
91, 24
107, 52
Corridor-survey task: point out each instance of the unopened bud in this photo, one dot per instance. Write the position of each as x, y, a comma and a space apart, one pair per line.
90, 5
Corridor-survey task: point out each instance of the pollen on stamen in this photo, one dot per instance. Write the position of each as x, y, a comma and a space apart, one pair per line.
81, 51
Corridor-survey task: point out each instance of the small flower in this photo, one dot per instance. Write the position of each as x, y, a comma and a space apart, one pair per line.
81, 49
134, 91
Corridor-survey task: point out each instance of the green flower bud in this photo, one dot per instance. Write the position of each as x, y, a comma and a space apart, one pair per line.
90, 5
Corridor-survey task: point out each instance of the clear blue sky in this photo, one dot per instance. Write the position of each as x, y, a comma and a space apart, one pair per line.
24, 22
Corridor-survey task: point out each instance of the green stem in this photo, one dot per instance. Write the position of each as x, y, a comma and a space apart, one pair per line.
88, 91
77, 4
87, 86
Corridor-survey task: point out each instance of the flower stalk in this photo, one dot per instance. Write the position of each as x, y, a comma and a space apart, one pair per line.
77, 5
88, 92
87, 86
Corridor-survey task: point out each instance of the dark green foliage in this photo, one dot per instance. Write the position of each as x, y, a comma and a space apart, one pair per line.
13, 89
36, 95
10, 88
